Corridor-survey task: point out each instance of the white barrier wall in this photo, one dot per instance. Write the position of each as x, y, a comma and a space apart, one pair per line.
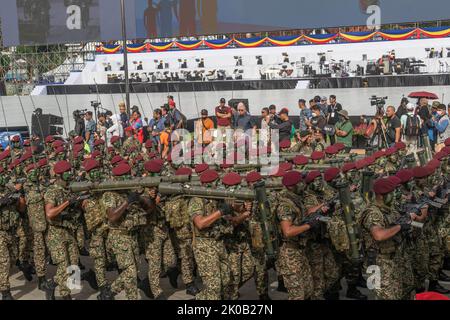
356, 101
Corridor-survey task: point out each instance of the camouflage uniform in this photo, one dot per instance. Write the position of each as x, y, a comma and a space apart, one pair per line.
38, 223
177, 215
98, 229
240, 257
129, 143
9, 222
387, 255
158, 248
324, 268
209, 251
293, 263
122, 242
60, 239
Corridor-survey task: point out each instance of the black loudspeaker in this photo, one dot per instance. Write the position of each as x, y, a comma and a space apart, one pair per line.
43, 125
234, 102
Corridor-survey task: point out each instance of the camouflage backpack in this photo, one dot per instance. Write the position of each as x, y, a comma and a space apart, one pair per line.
94, 214
337, 231
176, 211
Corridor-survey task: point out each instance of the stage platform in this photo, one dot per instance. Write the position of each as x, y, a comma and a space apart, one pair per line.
318, 82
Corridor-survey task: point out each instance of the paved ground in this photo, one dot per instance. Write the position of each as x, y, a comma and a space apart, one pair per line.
21, 289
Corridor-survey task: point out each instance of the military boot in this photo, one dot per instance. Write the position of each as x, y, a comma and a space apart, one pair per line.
27, 270
49, 287
144, 285
161, 297
90, 278
42, 282
354, 293
191, 289
84, 252
443, 277
281, 287
436, 287
264, 297
6, 295
106, 293
80, 265
172, 274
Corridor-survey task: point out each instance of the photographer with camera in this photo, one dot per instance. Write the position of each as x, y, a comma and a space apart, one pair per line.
78, 117
90, 127
332, 114
392, 127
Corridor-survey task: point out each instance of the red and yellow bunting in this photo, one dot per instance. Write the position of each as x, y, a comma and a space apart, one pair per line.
136, 49
356, 38
435, 34
159, 47
189, 46
218, 46
111, 50
281, 43
317, 40
398, 36
254, 44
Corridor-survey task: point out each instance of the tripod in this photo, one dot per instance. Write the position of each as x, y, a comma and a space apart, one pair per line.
380, 135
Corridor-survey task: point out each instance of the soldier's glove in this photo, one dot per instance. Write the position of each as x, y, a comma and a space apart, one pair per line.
132, 197
404, 222
225, 209
313, 220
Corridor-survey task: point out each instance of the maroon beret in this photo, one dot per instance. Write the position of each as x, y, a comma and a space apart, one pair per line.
209, 176
99, 142
434, 163
300, 160
285, 144
339, 146
116, 159
114, 139
96, 154
291, 178
78, 140
405, 175
440, 155
312, 175
447, 142
57, 144
30, 167
138, 158
369, 160
49, 139
121, 169
43, 162
253, 176
183, 171
153, 166
384, 186
14, 164
201, 167
77, 148
159, 160
317, 155
5, 154
60, 150
446, 150
421, 172
131, 149
348, 166
400, 145
231, 179
395, 180
15, 139
360, 164
378, 154
330, 174
286, 166
90, 164
110, 149
26, 156
61, 167
331, 150
148, 143
390, 151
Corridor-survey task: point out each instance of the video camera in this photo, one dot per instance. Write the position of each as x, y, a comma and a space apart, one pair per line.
77, 114
379, 102
95, 104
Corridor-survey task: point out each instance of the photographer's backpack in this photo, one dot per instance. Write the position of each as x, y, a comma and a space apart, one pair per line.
412, 127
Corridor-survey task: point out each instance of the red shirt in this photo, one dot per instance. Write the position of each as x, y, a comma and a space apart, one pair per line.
224, 122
